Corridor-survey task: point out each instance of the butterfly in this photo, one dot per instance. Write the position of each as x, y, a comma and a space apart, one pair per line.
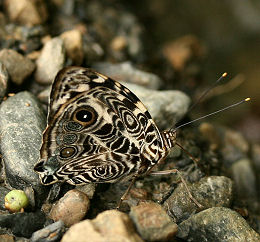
98, 131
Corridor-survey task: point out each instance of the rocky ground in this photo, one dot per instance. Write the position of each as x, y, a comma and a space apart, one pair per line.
37, 39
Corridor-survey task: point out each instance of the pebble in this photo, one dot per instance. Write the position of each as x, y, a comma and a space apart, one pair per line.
108, 226
245, 180
152, 222
26, 11
4, 78
126, 72
217, 224
51, 60
21, 125
18, 66
22, 224
6, 238
73, 45
165, 107
234, 147
213, 191
71, 208
50, 233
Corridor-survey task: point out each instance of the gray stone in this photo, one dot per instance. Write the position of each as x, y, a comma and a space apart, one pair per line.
4, 77
18, 66
21, 125
22, 224
165, 107
51, 60
126, 72
245, 179
3, 192
213, 191
50, 233
217, 224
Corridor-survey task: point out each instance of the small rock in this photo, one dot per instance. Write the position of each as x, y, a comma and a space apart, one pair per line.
180, 51
18, 66
126, 72
245, 180
217, 224
51, 60
4, 77
152, 222
73, 45
108, 226
22, 224
235, 147
26, 11
50, 233
88, 189
6, 238
21, 125
165, 107
213, 191
71, 208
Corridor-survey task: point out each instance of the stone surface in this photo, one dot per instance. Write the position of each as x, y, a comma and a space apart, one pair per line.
50, 233
4, 77
245, 180
18, 66
213, 191
22, 224
3, 192
126, 72
21, 125
71, 208
26, 11
51, 60
6, 238
109, 226
73, 45
217, 224
152, 222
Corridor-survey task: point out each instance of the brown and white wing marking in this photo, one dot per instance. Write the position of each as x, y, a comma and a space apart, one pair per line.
98, 131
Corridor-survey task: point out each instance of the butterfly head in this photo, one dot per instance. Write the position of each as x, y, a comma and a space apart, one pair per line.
46, 170
169, 138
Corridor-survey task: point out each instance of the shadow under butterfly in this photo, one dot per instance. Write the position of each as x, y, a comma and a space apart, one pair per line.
100, 132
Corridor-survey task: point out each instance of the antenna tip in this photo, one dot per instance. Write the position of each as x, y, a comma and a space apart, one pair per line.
247, 99
224, 74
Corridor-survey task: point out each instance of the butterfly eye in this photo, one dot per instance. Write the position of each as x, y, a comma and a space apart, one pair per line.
86, 115
68, 152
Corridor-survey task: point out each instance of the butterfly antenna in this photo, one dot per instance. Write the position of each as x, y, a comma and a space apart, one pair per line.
208, 115
207, 91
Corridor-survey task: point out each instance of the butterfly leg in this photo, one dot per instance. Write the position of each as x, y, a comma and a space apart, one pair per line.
126, 192
167, 172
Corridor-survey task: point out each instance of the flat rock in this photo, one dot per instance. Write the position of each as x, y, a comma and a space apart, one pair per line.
217, 224
22, 224
152, 222
71, 208
73, 45
126, 72
109, 226
213, 191
51, 60
50, 233
21, 125
4, 78
18, 66
26, 11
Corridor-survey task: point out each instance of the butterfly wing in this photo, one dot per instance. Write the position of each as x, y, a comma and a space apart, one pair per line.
98, 131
